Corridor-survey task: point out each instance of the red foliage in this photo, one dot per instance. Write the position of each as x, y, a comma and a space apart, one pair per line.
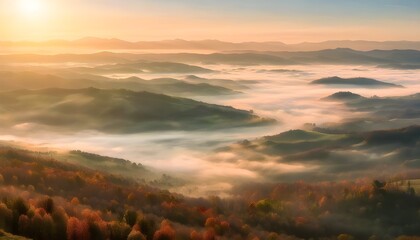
166, 232
209, 234
77, 230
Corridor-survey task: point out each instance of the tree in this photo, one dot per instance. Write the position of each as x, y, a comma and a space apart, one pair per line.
47, 204
130, 217
147, 226
6, 218
166, 232
75, 201
36, 226
98, 229
47, 227
195, 235
264, 206
19, 207
224, 226
209, 234
210, 222
72, 226
77, 230
136, 235
24, 226
60, 223
119, 230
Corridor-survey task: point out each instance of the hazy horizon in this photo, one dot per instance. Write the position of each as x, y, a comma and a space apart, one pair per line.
202, 40
232, 20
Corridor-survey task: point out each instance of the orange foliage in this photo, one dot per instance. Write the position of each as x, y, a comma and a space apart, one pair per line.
166, 232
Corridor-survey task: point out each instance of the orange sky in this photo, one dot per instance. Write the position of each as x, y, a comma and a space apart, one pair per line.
230, 20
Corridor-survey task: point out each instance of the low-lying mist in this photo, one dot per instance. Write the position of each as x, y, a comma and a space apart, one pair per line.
277, 92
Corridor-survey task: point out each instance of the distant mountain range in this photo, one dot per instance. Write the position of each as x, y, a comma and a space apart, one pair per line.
215, 45
165, 61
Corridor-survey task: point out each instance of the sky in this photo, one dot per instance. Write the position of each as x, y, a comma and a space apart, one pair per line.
288, 21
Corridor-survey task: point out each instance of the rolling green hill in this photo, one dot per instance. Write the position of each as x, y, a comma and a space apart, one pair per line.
116, 111
378, 112
329, 156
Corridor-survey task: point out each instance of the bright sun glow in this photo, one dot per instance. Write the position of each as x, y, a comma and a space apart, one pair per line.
31, 7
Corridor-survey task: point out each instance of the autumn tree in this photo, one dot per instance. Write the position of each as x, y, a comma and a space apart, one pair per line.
166, 232
24, 226
194, 235
209, 234
6, 217
147, 226
119, 230
19, 207
98, 228
136, 235
60, 223
47, 204
77, 230
36, 226
47, 227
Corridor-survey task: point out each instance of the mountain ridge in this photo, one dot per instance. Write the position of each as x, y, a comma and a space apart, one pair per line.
355, 81
213, 44
396, 58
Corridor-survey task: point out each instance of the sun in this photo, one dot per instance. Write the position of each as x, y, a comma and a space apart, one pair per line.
31, 7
